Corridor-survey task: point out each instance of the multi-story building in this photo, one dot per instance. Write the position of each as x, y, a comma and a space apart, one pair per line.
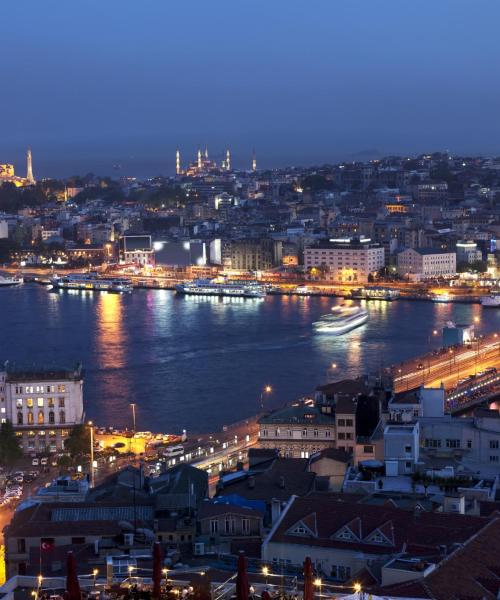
426, 263
253, 254
298, 431
468, 252
346, 260
136, 249
42, 404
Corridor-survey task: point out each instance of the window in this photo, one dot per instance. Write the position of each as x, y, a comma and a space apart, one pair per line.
40, 417
348, 436
19, 418
31, 420
61, 402
229, 526
50, 402
341, 435
431, 443
315, 433
341, 573
495, 458
214, 526
304, 432
341, 422
348, 423
408, 449
21, 545
52, 418
61, 388
453, 443
493, 444
368, 449
29, 402
62, 417
469, 444
39, 402
245, 526
19, 403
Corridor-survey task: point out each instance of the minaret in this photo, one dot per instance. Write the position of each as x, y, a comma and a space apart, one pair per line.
206, 152
228, 160
199, 159
29, 170
178, 162
254, 162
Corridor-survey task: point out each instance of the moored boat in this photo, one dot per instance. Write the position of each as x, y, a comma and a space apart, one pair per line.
91, 282
491, 301
11, 281
210, 287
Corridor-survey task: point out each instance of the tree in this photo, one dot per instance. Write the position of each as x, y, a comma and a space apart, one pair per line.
78, 441
10, 450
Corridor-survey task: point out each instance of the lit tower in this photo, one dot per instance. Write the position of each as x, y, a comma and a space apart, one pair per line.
228, 160
254, 162
206, 152
29, 169
178, 162
199, 159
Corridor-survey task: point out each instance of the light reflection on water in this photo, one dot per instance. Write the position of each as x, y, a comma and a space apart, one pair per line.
200, 362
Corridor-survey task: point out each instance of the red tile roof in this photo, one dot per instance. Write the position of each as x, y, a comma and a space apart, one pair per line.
424, 532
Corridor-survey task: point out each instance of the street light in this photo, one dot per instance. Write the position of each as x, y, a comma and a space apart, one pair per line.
357, 588
95, 573
265, 572
92, 477
267, 390
318, 583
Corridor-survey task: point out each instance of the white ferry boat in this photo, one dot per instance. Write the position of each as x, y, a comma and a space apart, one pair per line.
91, 282
492, 301
341, 320
376, 293
210, 287
10, 281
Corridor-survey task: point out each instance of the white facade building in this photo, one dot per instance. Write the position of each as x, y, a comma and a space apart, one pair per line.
426, 263
41, 404
346, 260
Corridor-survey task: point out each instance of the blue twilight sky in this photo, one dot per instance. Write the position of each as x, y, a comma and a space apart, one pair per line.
92, 83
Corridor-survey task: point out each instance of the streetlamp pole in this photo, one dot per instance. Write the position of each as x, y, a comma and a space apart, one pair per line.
133, 416
92, 478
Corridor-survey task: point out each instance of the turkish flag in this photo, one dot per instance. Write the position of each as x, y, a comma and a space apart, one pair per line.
46, 545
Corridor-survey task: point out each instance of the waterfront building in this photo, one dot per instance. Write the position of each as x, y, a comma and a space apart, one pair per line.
258, 254
345, 259
42, 404
426, 263
137, 250
468, 252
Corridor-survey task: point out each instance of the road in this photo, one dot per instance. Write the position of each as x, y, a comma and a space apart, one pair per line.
448, 366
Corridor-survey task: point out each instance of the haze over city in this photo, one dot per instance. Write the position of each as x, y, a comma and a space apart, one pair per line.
93, 85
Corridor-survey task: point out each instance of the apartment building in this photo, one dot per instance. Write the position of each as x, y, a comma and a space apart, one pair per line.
42, 404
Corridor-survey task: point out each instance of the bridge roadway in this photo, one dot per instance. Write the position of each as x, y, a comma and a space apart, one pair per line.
447, 366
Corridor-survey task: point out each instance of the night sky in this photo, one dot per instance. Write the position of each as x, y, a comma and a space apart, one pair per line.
93, 83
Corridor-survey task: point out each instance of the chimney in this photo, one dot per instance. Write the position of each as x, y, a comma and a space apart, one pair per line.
281, 482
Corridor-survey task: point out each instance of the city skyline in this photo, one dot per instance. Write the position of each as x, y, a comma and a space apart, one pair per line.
302, 87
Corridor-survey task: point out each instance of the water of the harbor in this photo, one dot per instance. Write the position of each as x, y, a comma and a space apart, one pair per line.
199, 363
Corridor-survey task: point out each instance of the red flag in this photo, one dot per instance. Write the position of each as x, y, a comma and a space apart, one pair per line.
46, 545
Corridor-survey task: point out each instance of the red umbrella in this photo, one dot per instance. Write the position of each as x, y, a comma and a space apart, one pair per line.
242, 586
72, 584
308, 579
157, 564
